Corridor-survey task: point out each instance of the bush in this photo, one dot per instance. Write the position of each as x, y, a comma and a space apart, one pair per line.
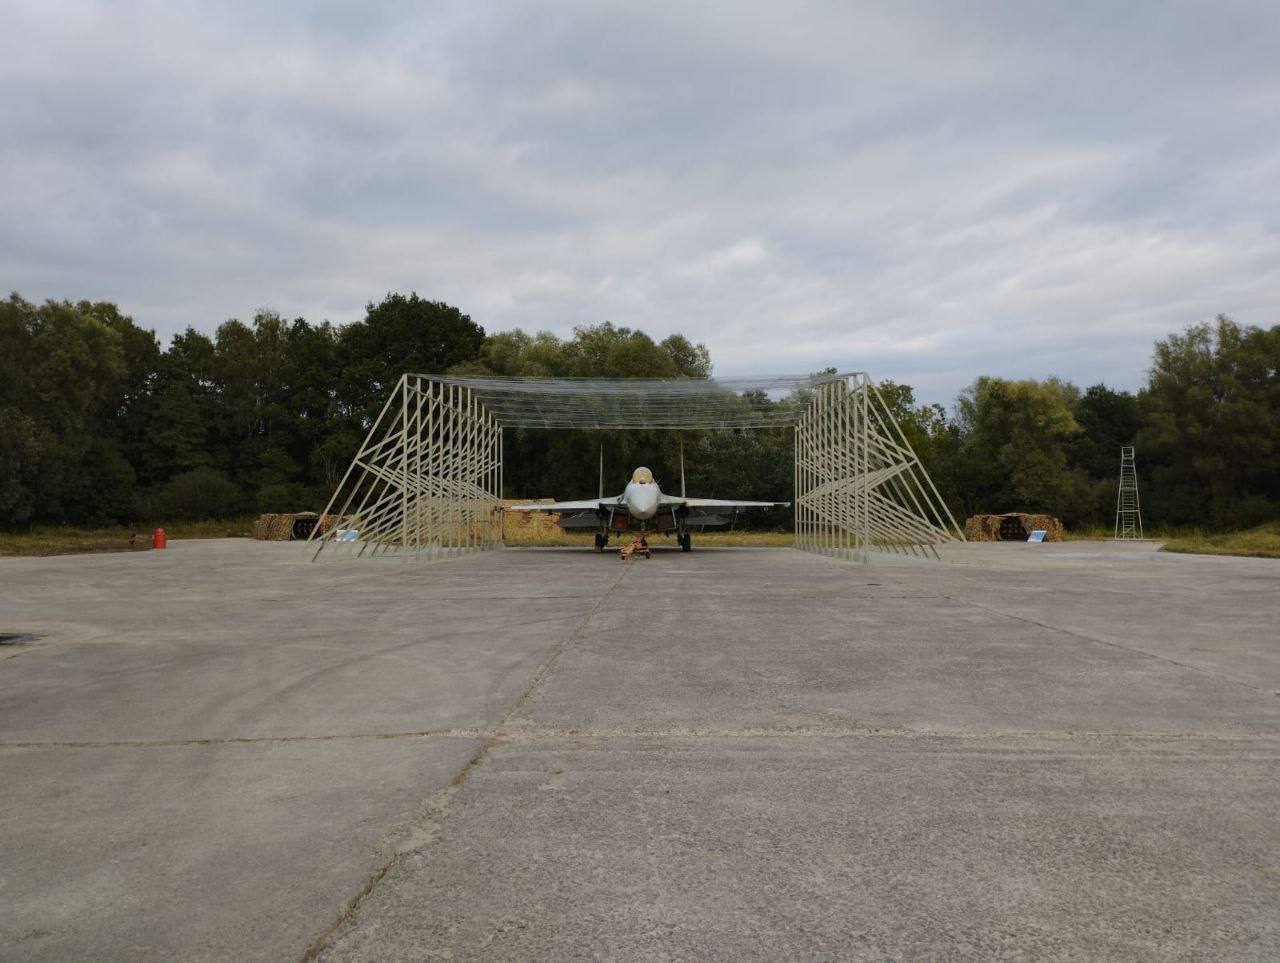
285, 497
1255, 510
199, 494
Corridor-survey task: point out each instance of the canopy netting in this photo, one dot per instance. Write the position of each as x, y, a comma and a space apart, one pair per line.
639, 402
428, 480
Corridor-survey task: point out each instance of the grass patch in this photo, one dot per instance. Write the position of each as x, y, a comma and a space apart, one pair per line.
65, 540
1260, 542
1090, 533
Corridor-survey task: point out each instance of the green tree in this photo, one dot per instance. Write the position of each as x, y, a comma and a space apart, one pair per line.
402, 334
66, 382
1108, 419
255, 401
1211, 425
1013, 454
23, 440
316, 419
182, 414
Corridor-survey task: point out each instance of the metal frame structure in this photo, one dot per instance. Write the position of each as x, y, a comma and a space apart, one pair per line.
1128, 510
427, 481
859, 484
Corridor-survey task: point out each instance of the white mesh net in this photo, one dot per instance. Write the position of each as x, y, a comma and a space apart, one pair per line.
686, 403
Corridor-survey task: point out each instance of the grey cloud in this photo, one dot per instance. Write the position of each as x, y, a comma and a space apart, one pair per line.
920, 190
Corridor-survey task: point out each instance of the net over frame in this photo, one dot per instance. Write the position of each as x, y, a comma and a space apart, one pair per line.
428, 480
688, 403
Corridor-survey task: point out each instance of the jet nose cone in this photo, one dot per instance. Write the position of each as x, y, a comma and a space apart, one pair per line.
643, 502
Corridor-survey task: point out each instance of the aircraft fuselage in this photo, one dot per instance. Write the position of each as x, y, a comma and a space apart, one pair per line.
641, 498
643, 508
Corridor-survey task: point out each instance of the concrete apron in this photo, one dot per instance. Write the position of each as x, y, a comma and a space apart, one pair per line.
739, 753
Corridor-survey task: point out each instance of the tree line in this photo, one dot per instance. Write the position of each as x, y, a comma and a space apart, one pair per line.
99, 423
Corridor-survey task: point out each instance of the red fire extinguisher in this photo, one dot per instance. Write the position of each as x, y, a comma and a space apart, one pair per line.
158, 539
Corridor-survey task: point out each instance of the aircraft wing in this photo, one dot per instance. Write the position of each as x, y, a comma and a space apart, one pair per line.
719, 503
585, 505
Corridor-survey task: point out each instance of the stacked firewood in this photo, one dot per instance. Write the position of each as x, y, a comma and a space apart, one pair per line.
531, 528
987, 528
282, 527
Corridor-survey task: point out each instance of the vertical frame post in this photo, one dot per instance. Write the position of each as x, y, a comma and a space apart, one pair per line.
404, 468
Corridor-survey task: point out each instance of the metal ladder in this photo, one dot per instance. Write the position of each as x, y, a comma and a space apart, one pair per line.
1128, 510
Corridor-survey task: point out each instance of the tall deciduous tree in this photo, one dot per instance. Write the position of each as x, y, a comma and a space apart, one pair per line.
1108, 419
402, 334
1211, 425
1014, 448
70, 376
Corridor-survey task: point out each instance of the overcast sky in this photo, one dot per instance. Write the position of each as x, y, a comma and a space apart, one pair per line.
926, 191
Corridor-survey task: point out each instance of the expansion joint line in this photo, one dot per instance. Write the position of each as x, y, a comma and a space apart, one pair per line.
535, 734
1107, 642
561, 647
467, 732
435, 808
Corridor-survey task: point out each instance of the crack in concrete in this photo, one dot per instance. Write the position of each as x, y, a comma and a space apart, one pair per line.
424, 828
560, 649
435, 809
1107, 642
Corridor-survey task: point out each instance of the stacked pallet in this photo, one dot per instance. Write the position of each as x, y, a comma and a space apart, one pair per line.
1011, 526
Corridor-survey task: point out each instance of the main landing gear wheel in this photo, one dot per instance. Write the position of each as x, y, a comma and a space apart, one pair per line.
600, 542
686, 542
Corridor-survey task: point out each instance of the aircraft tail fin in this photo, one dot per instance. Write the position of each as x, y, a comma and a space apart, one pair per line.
682, 491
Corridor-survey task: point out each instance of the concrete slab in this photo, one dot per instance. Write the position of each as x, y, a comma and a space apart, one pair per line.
206, 753
219, 751
804, 642
746, 848
230, 638
203, 852
1215, 613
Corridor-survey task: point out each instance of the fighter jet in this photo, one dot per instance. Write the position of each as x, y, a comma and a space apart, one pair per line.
642, 508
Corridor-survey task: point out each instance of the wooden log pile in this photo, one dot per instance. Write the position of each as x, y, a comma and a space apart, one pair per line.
531, 528
273, 527
988, 528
